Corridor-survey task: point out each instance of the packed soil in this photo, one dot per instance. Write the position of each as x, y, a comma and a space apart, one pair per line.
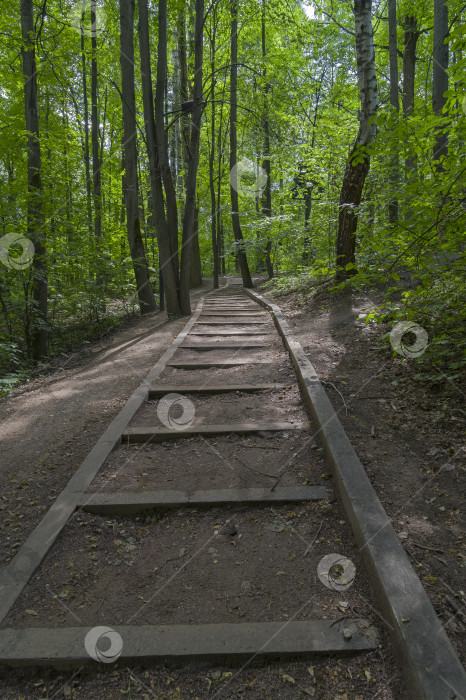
408, 434
226, 462
155, 569
106, 570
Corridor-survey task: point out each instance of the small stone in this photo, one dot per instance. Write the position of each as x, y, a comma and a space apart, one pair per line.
347, 633
229, 529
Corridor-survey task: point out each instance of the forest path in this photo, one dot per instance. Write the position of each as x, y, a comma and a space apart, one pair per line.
241, 580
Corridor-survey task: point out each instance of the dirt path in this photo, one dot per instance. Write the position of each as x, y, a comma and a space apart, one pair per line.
193, 566
49, 425
409, 436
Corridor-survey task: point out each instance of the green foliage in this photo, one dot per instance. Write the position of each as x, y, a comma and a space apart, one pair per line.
309, 79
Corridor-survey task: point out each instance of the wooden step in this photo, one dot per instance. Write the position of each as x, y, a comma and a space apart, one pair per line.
65, 647
234, 314
130, 503
225, 364
234, 305
151, 434
228, 332
231, 323
247, 345
158, 391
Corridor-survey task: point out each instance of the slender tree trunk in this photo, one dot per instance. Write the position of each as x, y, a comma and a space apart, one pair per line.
141, 272
213, 208
96, 163
196, 265
162, 139
440, 77
220, 156
190, 206
307, 216
35, 224
86, 130
184, 123
184, 89
394, 101
241, 252
166, 260
267, 195
411, 36
358, 163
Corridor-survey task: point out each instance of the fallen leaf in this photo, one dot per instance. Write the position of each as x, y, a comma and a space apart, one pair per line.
367, 673
287, 678
310, 670
31, 612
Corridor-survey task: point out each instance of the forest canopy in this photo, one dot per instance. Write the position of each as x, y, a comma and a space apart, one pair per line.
146, 145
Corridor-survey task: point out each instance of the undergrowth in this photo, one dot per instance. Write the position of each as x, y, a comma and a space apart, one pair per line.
437, 306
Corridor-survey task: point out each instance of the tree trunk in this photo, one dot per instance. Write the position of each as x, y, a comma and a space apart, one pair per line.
358, 163
440, 77
35, 220
184, 88
136, 246
96, 162
196, 265
241, 252
86, 130
411, 36
267, 196
307, 216
394, 101
166, 262
194, 143
162, 139
213, 207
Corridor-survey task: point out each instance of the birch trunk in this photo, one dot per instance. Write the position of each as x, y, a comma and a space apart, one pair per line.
358, 163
